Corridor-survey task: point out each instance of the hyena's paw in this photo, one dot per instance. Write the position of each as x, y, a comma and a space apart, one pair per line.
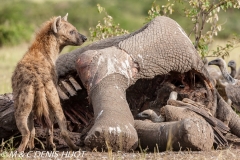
51, 146
31, 145
74, 148
117, 138
20, 149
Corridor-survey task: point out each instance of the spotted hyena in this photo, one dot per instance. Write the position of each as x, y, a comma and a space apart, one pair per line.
34, 82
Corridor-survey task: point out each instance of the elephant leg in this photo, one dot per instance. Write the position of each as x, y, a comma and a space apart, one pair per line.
114, 123
107, 74
187, 134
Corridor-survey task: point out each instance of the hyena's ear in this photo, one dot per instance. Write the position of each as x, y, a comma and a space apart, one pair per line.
65, 17
56, 24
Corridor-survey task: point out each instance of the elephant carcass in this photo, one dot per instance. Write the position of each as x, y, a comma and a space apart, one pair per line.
108, 67
7, 120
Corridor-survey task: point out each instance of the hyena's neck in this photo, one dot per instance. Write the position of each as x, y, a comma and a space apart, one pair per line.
48, 45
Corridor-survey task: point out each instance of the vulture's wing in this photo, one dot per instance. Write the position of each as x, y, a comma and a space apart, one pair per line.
233, 93
218, 126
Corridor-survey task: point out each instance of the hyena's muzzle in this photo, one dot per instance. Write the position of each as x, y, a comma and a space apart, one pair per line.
81, 39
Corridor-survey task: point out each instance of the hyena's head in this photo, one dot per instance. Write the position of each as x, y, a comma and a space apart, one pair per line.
66, 33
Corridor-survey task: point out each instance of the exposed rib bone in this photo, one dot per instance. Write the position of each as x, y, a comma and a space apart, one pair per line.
61, 94
75, 84
70, 90
73, 119
89, 114
79, 116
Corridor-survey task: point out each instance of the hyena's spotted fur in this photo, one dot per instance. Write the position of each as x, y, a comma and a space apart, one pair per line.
34, 82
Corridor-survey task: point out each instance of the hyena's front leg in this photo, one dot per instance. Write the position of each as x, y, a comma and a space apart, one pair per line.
23, 109
55, 106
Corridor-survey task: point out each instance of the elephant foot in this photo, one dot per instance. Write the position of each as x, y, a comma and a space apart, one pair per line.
117, 138
188, 134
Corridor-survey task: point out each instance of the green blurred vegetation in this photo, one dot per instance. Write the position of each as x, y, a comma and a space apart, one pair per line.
19, 19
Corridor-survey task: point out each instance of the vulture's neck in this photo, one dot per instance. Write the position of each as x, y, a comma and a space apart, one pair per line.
226, 75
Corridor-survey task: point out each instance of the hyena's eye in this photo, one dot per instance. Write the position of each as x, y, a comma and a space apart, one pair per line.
71, 32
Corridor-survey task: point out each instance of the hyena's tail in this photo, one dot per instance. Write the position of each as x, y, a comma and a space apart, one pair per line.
42, 109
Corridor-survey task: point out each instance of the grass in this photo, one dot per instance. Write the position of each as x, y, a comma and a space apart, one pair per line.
7, 151
180, 155
9, 56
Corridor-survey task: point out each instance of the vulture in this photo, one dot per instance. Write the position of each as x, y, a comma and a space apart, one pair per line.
215, 73
152, 115
232, 64
234, 73
237, 76
217, 79
232, 85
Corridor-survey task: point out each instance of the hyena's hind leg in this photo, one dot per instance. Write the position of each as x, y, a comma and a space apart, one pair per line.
49, 136
42, 110
55, 106
24, 104
32, 131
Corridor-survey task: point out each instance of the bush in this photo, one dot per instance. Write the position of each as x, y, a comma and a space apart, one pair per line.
107, 28
14, 33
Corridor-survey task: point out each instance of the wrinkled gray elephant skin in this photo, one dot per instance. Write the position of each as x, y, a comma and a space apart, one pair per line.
189, 133
108, 67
